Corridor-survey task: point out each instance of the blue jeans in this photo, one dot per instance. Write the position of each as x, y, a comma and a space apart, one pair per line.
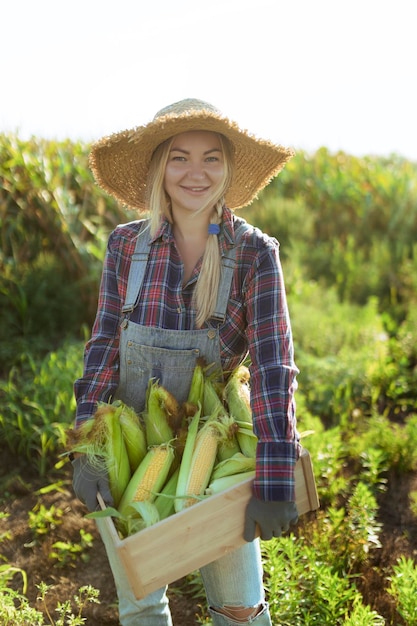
234, 580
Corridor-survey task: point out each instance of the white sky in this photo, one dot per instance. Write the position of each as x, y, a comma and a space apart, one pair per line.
304, 73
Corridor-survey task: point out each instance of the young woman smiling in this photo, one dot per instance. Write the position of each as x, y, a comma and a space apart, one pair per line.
194, 280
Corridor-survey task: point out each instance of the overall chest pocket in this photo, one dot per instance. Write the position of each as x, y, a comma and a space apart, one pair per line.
173, 368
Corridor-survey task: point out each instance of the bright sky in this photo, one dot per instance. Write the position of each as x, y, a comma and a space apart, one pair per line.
304, 73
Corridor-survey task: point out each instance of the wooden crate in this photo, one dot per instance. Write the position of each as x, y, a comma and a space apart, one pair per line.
186, 541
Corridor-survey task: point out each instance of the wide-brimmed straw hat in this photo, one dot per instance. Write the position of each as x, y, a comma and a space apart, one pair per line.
120, 162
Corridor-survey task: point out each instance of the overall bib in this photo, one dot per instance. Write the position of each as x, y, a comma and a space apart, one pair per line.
170, 356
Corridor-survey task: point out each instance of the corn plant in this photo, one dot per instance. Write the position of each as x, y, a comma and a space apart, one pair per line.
38, 405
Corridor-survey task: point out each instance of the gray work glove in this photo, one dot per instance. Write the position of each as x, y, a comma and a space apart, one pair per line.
87, 481
273, 518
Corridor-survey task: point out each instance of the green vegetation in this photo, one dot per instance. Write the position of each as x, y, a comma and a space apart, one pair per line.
347, 228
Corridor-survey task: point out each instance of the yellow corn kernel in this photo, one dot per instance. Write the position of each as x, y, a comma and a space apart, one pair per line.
201, 467
149, 478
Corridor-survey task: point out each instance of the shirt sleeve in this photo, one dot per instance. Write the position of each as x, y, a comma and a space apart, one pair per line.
273, 377
100, 377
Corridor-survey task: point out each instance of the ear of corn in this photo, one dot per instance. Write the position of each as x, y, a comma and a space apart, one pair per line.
195, 395
187, 457
236, 393
229, 445
198, 471
102, 441
221, 484
133, 435
149, 478
236, 464
160, 409
247, 441
211, 400
117, 460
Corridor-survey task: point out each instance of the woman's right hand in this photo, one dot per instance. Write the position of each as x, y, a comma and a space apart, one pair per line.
88, 480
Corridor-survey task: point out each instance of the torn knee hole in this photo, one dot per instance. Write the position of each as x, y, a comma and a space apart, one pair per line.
241, 614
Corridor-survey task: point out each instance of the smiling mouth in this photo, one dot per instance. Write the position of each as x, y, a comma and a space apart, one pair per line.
195, 189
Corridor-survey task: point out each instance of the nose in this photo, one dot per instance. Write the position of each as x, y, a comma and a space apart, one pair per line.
196, 171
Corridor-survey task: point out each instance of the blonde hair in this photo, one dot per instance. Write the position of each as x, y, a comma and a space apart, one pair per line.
206, 290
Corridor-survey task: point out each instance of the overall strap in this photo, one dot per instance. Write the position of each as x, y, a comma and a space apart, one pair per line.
228, 268
138, 268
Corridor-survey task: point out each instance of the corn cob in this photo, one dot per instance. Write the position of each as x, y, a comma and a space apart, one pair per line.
236, 394
211, 400
186, 459
199, 469
229, 445
247, 440
236, 464
102, 441
149, 478
162, 410
220, 484
133, 435
195, 395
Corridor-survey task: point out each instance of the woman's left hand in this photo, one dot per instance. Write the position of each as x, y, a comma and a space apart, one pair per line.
273, 518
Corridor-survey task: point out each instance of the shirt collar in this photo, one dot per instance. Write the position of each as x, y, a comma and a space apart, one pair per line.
226, 236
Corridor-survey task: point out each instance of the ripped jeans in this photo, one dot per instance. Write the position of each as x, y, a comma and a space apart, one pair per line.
234, 580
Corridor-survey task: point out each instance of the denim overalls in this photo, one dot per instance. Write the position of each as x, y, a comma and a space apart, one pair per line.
170, 356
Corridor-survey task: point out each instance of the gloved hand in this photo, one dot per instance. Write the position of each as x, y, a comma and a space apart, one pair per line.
273, 518
87, 481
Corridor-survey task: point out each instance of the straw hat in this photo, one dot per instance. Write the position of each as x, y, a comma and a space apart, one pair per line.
120, 162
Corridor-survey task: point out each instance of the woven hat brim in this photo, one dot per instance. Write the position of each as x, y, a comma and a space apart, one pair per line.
120, 162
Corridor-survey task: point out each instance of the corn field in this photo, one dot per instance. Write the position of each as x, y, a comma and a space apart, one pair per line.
347, 228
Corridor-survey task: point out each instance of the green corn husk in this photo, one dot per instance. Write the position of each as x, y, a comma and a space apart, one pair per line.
236, 464
236, 394
102, 441
165, 501
221, 484
134, 436
161, 411
212, 403
228, 445
247, 440
195, 395
186, 459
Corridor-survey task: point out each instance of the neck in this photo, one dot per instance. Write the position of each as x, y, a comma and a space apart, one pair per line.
191, 227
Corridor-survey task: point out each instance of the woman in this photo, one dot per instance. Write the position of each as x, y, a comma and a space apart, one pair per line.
195, 280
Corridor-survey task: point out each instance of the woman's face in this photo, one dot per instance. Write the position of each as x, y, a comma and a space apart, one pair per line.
194, 170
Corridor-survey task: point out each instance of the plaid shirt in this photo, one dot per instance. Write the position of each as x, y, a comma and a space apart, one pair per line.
257, 322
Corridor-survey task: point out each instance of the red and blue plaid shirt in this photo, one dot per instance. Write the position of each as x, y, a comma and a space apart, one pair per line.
257, 322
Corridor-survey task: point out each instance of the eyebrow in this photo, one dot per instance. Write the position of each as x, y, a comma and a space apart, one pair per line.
188, 152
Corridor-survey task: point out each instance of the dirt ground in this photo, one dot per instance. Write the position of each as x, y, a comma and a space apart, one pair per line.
18, 496
30, 553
